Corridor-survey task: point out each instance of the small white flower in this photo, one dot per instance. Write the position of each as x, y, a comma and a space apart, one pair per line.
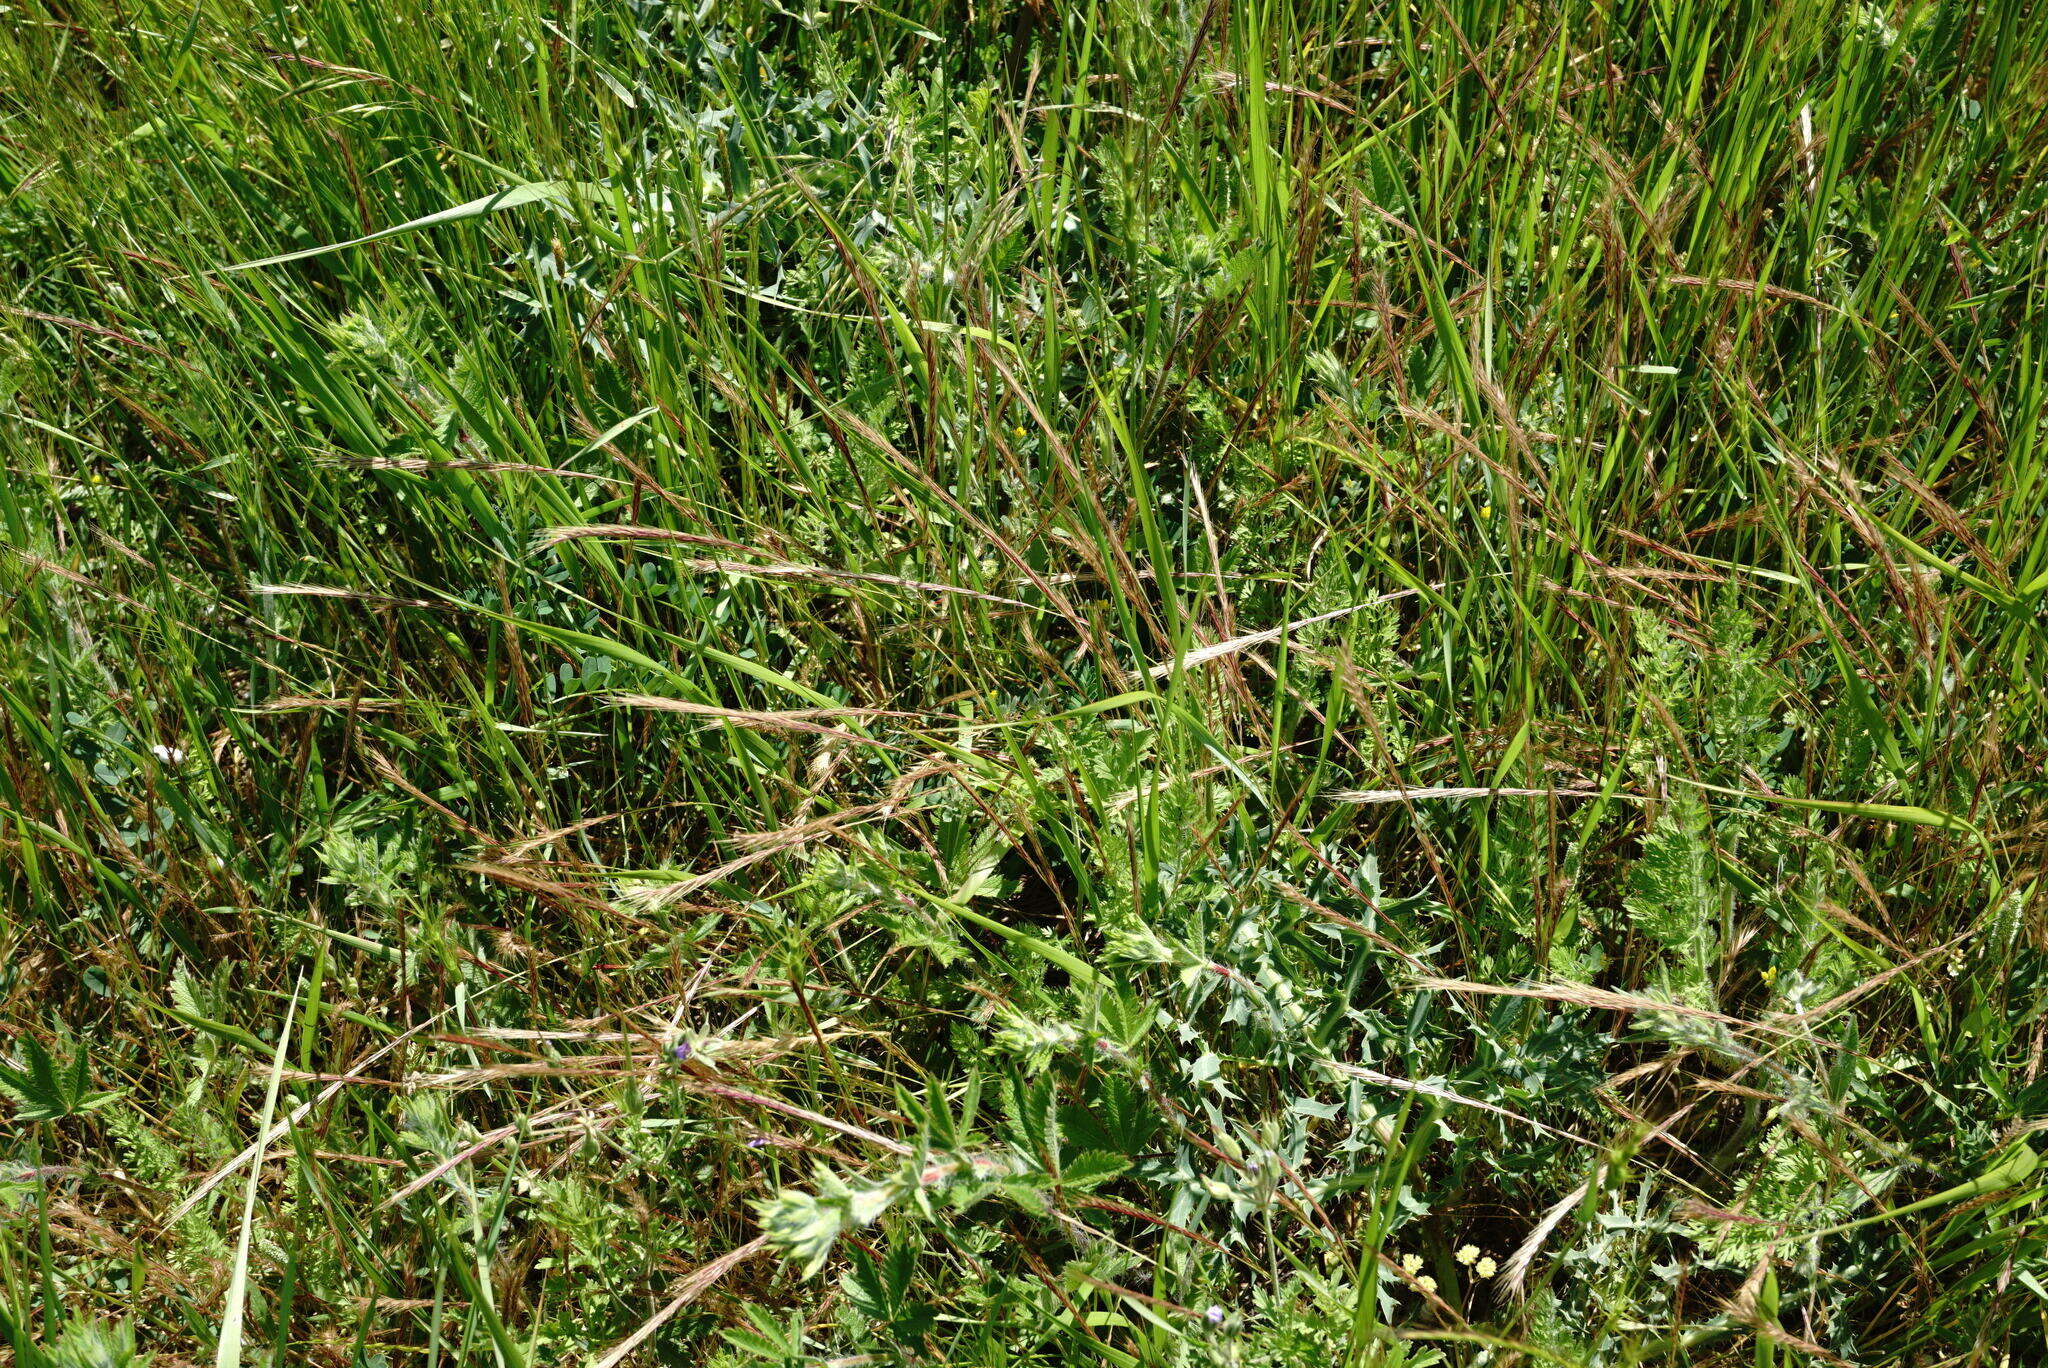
170, 755
1468, 1253
1214, 1315
1486, 1267
1426, 1283
1412, 1263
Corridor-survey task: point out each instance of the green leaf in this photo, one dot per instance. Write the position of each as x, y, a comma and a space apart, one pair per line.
228, 1352
47, 1089
560, 192
1882, 812
2013, 1167
1093, 1167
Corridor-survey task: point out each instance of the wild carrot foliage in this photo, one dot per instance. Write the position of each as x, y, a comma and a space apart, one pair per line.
1098, 682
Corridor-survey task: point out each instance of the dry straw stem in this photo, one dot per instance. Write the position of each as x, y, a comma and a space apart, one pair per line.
1602, 999
1437, 1090
771, 569
420, 465
1375, 797
1202, 655
686, 1291
808, 720
762, 846
263, 1142
262, 590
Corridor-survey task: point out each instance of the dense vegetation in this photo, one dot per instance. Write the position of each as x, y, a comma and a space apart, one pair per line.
1259, 682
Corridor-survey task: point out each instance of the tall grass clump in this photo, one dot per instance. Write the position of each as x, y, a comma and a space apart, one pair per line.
1132, 682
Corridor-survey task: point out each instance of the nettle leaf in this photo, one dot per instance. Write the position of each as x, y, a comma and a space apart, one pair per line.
45, 1088
916, 930
899, 1268
1128, 1118
1092, 1168
866, 1289
1125, 1018
1027, 1192
880, 1288
1033, 1121
765, 1337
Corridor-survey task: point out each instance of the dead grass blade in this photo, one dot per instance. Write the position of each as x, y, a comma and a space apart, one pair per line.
826, 575
477, 467
1217, 650
1442, 1093
698, 1084
808, 720
330, 591
488, 1139
1373, 797
769, 568
761, 845
283, 1127
687, 1291
1600, 999
556, 536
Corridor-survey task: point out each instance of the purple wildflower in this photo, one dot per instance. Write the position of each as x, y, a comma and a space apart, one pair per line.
681, 1051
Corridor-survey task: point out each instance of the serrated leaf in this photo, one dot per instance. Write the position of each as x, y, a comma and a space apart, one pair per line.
1093, 1167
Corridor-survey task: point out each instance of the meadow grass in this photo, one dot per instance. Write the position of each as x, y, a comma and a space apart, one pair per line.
1129, 682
